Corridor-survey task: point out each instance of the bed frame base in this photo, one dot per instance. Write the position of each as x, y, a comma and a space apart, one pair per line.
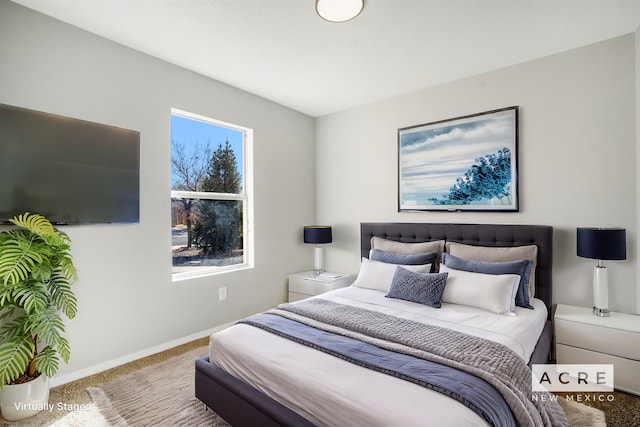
239, 403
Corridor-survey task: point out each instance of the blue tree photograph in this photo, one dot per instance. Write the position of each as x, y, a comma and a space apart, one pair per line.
467, 163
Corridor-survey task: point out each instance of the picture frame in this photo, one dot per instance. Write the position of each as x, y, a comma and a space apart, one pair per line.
467, 163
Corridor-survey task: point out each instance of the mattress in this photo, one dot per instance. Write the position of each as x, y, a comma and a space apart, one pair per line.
329, 391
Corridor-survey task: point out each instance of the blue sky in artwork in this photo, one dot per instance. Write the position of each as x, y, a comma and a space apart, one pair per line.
434, 155
191, 132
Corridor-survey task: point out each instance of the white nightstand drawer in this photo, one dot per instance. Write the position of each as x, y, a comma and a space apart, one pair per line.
306, 284
598, 338
306, 287
294, 296
626, 372
313, 287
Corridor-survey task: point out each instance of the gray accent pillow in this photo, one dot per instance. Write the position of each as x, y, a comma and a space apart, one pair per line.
421, 288
404, 259
520, 267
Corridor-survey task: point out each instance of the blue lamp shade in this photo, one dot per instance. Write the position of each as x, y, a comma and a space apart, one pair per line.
602, 243
317, 234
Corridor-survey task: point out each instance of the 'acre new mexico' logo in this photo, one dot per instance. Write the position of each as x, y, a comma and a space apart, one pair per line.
572, 378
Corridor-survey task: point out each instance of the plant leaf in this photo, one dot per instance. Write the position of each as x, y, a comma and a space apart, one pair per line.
47, 361
64, 349
32, 296
35, 223
14, 358
14, 328
62, 296
48, 327
17, 259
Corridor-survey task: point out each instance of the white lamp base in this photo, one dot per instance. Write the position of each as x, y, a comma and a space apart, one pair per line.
600, 291
318, 260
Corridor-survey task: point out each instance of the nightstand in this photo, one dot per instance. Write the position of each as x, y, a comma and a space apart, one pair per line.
582, 337
306, 284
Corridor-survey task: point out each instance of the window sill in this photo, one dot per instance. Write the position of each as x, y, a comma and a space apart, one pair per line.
208, 271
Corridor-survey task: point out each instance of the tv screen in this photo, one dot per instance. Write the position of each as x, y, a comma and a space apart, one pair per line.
71, 171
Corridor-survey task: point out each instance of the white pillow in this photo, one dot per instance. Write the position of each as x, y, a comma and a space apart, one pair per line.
492, 292
379, 275
498, 254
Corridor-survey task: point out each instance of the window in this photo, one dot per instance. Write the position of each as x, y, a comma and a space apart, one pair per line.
210, 196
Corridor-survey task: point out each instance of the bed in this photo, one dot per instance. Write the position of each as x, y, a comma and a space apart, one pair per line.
281, 393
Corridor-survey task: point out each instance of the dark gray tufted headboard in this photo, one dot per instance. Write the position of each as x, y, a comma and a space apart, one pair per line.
500, 235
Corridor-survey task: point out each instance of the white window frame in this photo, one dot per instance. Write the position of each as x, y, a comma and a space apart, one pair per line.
246, 197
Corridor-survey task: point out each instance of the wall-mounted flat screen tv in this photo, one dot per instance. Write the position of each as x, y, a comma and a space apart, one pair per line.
71, 171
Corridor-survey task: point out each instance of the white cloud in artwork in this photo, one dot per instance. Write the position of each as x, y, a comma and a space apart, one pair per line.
432, 157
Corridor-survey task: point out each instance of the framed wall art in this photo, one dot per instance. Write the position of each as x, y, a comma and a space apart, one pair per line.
466, 163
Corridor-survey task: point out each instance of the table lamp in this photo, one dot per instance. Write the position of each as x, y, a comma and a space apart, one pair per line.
318, 235
601, 244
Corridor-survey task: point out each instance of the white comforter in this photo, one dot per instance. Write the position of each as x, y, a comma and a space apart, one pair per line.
330, 391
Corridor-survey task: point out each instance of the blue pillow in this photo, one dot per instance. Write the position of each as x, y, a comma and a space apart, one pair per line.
422, 288
404, 259
520, 267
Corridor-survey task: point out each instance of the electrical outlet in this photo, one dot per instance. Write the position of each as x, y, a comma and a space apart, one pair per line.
222, 293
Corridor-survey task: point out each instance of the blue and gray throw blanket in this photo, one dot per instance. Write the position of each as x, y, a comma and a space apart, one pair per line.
484, 375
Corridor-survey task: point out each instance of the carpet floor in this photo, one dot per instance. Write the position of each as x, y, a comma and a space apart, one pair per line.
158, 395
162, 394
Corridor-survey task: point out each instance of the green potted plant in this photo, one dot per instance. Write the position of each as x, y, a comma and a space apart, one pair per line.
36, 274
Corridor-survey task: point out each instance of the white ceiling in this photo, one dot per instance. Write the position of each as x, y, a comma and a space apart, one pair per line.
282, 51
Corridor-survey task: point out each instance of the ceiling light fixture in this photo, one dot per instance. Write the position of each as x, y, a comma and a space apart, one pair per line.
339, 10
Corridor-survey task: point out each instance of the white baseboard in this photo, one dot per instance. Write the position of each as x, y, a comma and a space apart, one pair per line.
101, 367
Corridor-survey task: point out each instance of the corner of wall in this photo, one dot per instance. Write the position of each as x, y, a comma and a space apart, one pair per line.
637, 241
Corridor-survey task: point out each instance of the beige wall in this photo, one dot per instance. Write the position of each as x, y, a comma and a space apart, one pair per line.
128, 304
577, 153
